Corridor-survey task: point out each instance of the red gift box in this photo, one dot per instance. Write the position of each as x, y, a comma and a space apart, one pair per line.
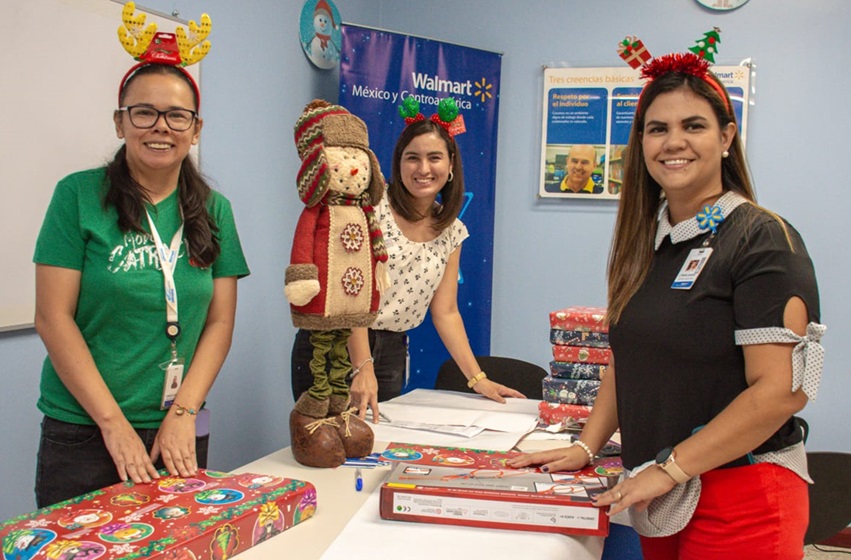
470, 487
582, 354
211, 516
589, 319
633, 51
556, 413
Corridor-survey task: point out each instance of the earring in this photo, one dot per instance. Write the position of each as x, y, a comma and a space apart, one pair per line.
725, 154
451, 176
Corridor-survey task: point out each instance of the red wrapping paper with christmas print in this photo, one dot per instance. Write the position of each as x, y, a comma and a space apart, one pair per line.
211, 516
582, 354
579, 318
551, 414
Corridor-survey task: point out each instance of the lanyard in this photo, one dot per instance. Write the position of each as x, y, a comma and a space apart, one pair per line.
168, 261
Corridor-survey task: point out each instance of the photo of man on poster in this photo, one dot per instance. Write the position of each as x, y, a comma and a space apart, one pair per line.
581, 162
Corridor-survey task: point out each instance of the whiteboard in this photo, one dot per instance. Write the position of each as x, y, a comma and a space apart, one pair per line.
62, 63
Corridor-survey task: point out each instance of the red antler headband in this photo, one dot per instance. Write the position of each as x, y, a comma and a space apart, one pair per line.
447, 114
696, 63
176, 49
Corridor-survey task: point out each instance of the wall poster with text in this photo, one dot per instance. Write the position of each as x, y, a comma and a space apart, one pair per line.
587, 116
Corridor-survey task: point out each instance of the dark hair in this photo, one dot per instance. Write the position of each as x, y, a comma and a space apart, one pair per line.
452, 193
128, 197
635, 228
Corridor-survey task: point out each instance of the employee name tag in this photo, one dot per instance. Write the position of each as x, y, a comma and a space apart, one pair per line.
692, 267
173, 379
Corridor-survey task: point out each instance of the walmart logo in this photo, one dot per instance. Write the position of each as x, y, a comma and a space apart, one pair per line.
483, 89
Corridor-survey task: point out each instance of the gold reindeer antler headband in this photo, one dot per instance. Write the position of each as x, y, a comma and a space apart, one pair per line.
148, 46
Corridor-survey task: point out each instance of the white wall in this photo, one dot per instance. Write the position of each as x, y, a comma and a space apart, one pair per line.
548, 254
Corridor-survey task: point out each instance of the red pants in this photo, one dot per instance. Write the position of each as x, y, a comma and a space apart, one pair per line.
749, 513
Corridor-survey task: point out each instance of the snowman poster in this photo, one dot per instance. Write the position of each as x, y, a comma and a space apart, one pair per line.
319, 33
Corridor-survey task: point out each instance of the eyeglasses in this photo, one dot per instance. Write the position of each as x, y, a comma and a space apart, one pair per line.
142, 116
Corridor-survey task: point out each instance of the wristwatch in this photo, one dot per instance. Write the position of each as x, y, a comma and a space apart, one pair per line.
667, 461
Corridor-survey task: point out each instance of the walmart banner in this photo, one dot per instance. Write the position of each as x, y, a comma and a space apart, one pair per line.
379, 69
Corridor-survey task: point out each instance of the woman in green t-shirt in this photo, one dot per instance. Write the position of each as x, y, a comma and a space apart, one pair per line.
127, 369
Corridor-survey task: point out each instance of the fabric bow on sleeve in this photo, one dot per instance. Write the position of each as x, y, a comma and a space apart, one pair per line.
808, 359
807, 356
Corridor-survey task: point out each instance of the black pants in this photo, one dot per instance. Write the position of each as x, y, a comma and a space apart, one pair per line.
73, 460
389, 349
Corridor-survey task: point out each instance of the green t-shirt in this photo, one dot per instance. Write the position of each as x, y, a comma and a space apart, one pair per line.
121, 309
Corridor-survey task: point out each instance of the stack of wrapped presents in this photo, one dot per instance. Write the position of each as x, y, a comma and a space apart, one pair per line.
581, 355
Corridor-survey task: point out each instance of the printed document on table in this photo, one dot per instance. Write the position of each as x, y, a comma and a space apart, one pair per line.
422, 417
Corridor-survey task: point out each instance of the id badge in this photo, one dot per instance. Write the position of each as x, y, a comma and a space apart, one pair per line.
691, 269
171, 384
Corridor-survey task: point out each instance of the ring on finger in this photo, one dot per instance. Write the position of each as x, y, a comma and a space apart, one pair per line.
619, 496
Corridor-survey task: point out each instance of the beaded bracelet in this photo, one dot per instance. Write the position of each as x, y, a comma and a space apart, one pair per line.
476, 378
181, 410
585, 448
356, 370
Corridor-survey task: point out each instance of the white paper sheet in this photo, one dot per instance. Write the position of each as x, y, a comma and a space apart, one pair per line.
454, 399
501, 425
488, 439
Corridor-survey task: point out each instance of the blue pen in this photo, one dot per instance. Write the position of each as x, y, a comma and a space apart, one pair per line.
358, 480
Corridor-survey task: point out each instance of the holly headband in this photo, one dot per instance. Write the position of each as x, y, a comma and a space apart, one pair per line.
447, 114
149, 46
696, 63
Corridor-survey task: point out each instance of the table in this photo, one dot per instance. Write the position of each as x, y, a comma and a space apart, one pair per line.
338, 503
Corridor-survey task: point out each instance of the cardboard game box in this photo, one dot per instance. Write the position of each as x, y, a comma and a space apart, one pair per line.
458, 486
212, 516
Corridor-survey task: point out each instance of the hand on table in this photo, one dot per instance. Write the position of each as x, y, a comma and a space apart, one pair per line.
495, 391
175, 441
364, 393
562, 459
128, 452
637, 491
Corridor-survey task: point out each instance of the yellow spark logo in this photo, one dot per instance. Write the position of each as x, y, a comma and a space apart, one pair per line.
482, 90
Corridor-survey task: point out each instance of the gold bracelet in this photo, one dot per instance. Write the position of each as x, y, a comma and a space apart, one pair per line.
585, 448
476, 378
356, 370
181, 410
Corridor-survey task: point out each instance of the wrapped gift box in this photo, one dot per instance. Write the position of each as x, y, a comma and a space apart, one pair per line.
579, 319
574, 370
458, 486
211, 516
570, 391
579, 338
552, 414
582, 354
